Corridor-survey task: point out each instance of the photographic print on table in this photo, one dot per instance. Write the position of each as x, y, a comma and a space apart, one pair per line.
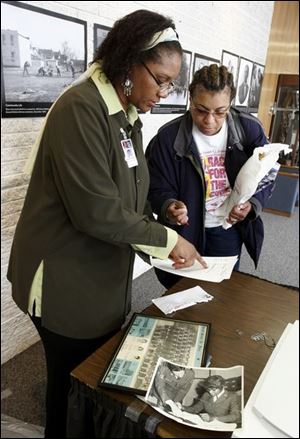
148, 338
231, 61
176, 102
201, 61
255, 86
42, 53
100, 33
243, 84
207, 398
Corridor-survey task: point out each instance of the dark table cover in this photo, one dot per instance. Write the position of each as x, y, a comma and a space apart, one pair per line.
93, 414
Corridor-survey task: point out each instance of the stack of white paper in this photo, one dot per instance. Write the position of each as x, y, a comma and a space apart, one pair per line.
219, 268
272, 410
181, 300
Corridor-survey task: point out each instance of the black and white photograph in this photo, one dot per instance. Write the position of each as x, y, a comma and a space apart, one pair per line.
202, 397
100, 33
149, 338
42, 53
231, 61
255, 86
176, 101
243, 84
202, 60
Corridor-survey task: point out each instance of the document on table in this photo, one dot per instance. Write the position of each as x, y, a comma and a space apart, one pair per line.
183, 299
273, 406
219, 268
278, 398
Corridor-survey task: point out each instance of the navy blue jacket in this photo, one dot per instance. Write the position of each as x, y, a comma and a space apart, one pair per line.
176, 174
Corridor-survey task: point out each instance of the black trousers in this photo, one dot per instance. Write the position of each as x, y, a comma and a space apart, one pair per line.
63, 354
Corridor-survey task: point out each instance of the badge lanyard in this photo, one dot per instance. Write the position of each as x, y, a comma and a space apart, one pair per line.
128, 150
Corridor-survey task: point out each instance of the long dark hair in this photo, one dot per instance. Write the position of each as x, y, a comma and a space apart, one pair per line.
213, 78
124, 44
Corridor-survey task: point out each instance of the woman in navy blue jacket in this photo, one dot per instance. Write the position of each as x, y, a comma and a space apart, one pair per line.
193, 163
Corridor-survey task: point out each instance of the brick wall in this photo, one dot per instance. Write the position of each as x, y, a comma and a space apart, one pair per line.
204, 27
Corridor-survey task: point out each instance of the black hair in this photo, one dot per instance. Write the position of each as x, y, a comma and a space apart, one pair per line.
212, 382
213, 78
124, 44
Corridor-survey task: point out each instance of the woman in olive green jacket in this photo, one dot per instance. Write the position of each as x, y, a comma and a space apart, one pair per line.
85, 210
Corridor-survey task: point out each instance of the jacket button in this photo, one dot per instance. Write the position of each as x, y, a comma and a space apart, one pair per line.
138, 180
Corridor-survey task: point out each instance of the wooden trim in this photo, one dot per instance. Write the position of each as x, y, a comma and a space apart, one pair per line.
277, 212
290, 167
288, 174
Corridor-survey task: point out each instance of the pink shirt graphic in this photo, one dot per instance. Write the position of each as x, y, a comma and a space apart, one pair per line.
212, 154
217, 184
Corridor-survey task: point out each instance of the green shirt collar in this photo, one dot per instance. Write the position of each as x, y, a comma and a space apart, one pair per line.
110, 97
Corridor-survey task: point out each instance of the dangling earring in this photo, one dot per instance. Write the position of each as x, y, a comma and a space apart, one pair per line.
127, 87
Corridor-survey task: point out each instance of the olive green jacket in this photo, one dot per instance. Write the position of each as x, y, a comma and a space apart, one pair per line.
83, 210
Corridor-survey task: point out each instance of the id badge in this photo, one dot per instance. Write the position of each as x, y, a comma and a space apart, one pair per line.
129, 153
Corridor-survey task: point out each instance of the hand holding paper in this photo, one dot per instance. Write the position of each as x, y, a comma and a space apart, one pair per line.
250, 176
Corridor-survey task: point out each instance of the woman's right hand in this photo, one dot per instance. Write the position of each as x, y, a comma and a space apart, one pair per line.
184, 254
177, 213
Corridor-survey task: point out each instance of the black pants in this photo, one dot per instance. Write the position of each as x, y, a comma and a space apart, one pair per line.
63, 354
218, 242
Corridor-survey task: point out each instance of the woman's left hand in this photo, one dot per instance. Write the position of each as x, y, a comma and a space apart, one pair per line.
239, 212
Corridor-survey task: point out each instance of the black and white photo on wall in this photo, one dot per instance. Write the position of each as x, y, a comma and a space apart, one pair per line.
100, 33
231, 61
176, 101
255, 86
243, 84
202, 60
42, 53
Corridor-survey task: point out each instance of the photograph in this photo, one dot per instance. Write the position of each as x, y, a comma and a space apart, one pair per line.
243, 84
42, 54
148, 338
202, 397
201, 61
176, 101
255, 86
231, 61
100, 33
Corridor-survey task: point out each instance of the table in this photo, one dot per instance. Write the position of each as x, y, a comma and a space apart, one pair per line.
242, 306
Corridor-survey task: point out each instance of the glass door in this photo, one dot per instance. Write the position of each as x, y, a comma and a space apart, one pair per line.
285, 121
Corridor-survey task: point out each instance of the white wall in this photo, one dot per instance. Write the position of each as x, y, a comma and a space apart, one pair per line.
241, 27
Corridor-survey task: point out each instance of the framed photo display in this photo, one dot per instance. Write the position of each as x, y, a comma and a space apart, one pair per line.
176, 102
201, 61
148, 338
231, 61
255, 86
100, 33
243, 84
42, 53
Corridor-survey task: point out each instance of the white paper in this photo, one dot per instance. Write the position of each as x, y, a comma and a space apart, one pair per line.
256, 426
181, 300
278, 397
219, 268
250, 175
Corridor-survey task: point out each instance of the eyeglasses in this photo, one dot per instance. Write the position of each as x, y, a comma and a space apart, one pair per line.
216, 114
164, 87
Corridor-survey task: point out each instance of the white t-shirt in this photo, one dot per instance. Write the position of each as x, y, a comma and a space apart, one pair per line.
212, 154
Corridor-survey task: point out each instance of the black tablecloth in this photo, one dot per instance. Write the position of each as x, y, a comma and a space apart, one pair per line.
93, 414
